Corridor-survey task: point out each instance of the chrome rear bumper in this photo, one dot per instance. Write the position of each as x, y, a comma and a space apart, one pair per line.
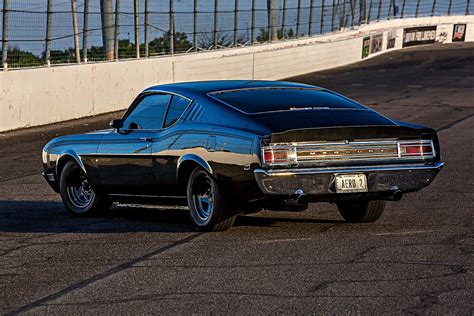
316, 181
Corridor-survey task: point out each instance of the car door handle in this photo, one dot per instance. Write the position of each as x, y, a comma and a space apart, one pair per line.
146, 139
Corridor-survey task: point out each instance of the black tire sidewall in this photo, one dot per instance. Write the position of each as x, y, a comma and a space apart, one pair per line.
71, 208
361, 211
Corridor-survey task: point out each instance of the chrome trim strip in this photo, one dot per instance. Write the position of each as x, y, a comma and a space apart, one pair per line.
149, 196
353, 143
266, 88
290, 172
382, 144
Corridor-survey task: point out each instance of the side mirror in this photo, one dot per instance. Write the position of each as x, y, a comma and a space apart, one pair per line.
116, 124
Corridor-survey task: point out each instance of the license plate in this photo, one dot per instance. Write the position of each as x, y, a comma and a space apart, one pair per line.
347, 183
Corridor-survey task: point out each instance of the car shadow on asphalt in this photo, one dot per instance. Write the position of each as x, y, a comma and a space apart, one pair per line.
52, 217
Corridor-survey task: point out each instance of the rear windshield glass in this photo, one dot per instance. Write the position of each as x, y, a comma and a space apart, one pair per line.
281, 99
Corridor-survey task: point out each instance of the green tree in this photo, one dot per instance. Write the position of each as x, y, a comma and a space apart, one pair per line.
162, 45
20, 58
262, 37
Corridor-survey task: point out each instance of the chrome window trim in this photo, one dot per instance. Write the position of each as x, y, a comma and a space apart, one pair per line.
181, 115
266, 88
151, 92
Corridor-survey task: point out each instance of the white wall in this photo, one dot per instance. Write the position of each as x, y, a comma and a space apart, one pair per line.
30, 97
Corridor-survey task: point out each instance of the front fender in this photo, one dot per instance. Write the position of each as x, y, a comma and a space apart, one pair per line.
69, 154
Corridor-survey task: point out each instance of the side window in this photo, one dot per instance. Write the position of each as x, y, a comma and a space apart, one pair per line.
149, 113
177, 107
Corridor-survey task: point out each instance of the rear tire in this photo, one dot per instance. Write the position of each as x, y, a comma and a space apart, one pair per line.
361, 211
209, 208
78, 196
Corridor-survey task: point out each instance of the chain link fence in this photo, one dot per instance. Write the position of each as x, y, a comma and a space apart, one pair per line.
54, 32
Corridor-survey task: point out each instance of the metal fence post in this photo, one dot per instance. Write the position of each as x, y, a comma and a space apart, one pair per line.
283, 20
5, 35
322, 17
117, 29
172, 31
146, 22
467, 6
106, 9
449, 7
379, 10
85, 31
47, 55
195, 25
298, 17
252, 28
362, 11
236, 20
333, 18
352, 12
137, 35
417, 8
390, 7
433, 8
344, 20
403, 9
216, 16
76, 32
310, 24
272, 21
370, 11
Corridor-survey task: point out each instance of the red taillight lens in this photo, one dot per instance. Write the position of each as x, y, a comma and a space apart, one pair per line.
268, 156
279, 155
422, 149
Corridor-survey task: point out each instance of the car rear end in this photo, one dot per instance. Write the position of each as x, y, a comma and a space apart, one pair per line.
301, 165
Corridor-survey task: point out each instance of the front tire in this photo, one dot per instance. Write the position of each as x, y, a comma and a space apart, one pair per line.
361, 211
78, 196
209, 209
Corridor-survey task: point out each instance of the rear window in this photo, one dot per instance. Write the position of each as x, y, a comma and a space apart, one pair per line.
283, 99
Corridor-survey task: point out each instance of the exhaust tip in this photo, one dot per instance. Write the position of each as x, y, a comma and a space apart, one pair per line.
397, 195
302, 199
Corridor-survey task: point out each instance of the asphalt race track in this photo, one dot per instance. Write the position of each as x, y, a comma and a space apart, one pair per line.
418, 258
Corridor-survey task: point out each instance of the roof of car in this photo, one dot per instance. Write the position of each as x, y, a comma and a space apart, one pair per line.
205, 87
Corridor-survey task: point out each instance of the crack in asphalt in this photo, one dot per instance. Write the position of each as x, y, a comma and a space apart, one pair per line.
20, 177
100, 276
454, 123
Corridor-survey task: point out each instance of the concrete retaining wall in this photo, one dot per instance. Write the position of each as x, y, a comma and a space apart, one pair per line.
31, 97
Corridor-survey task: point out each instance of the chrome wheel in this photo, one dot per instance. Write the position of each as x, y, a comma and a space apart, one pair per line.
78, 190
203, 196
209, 207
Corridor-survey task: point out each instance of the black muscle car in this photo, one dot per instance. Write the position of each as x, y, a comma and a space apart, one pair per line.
224, 147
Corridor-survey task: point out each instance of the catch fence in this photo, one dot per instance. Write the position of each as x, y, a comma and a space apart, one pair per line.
53, 32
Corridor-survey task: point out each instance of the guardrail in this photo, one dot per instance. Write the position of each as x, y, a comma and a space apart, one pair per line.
38, 34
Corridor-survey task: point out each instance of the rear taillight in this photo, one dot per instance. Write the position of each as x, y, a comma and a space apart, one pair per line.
423, 148
279, 155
